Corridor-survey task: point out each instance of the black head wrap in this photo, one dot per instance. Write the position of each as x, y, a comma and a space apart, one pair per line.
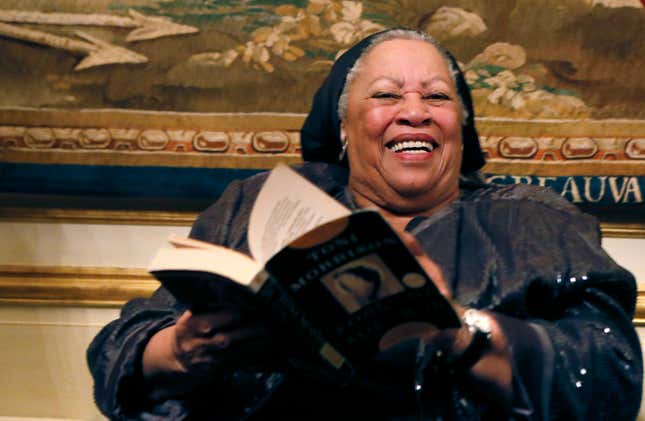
320, 134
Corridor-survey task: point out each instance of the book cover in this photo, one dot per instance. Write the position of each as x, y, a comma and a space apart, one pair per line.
354, 280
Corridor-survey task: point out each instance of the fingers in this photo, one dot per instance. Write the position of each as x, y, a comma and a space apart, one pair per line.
206, 324
198, 346
222, 342
220, 329
431, 268
207, 341
235, 338
243, 347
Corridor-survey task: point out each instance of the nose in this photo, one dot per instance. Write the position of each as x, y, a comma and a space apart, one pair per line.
414, 112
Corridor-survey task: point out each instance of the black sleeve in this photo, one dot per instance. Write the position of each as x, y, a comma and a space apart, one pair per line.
576, 355
115, 354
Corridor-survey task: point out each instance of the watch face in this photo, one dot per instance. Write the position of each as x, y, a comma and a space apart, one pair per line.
479, 324
476, 320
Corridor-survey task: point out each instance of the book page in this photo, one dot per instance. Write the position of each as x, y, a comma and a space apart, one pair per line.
186, 257
288, 206
185, 242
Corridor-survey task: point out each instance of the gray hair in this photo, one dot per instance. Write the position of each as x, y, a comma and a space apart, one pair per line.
393, 34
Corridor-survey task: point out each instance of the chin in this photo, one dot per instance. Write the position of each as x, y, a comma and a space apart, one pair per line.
405, 206
411, 200
412, 188
421, 198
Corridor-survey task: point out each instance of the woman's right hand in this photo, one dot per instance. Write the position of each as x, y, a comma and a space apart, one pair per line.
201, 345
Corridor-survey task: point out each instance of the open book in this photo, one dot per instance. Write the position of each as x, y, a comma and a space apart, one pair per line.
342, 282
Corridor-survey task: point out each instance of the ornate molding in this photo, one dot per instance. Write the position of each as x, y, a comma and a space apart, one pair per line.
83, 286
145, 138
21, 140
91, 216
639, 316
260, 140
622, 230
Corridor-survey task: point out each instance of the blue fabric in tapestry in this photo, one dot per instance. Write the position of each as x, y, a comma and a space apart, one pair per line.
118, 181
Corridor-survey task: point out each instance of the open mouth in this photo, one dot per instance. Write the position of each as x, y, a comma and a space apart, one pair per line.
412, 146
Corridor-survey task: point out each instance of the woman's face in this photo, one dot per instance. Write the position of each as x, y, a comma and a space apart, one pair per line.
403, 126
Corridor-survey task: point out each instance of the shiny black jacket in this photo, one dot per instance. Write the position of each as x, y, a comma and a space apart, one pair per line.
519, 251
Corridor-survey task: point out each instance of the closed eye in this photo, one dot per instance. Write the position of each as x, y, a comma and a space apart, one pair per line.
386, 95
437, 97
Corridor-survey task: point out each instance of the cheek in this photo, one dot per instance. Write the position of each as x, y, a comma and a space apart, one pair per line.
450, 125
453, 159
450, 122
375, 122
452, 150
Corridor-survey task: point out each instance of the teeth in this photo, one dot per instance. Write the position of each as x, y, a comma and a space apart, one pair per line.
413, 146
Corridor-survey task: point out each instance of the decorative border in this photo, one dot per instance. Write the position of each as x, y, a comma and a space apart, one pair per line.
260, 140
563, 147
111, 137
107, 287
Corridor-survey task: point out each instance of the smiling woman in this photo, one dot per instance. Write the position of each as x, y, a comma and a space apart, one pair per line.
546, 330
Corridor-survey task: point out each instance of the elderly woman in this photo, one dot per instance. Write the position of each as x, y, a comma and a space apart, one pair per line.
547, 330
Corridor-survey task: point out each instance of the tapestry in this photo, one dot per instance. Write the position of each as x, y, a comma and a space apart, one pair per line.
144, 88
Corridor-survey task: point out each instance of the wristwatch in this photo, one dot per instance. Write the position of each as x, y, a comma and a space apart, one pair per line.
479, 325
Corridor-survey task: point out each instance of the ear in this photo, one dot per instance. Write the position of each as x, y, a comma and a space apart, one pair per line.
343, 133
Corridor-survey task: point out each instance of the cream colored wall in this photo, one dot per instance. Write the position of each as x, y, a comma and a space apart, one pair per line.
42, 349
126, 246
42, 361
628, 252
